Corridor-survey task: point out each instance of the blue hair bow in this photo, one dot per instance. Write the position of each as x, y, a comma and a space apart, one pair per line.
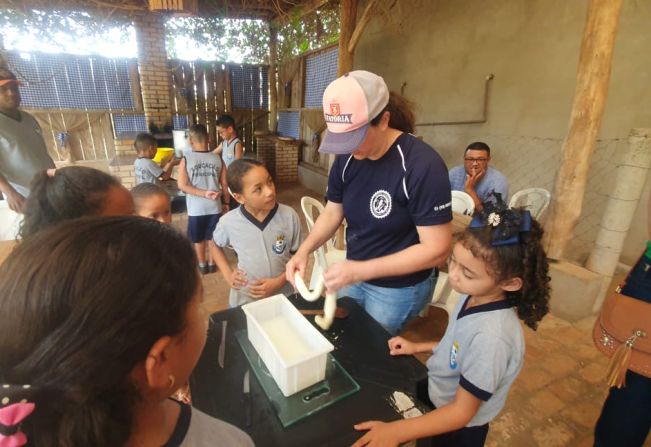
507, 224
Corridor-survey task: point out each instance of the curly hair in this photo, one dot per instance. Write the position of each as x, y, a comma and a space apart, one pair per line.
526, 260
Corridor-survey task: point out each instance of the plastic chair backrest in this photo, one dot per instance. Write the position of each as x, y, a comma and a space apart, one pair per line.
462, 203
536, 200
309, 205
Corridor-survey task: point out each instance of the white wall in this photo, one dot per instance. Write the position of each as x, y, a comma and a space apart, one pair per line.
444, 49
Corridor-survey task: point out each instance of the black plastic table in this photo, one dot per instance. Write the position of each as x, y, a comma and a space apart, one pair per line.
360, 347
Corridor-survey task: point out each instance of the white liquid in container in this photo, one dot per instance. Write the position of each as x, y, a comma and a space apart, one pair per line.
287, 340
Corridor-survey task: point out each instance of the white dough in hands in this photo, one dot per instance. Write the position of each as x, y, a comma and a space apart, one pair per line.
329, 306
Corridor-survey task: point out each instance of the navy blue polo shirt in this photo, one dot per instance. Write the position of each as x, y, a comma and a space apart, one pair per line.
385, 199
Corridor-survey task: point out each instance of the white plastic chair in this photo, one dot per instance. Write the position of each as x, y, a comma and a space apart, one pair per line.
462, 203
444, 295
10, 222
536, 200
323, 257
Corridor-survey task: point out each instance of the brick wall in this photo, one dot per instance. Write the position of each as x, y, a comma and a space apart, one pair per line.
286, 161
125, 174
124, 148
280, 157
152, 67
267, 152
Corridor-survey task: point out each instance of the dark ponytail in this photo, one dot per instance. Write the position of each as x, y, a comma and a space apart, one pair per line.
82, 304
401, 113
71, 192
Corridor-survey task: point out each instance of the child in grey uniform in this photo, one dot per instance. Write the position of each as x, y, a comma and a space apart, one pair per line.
145, 169
500, 265
263, 233
202, 177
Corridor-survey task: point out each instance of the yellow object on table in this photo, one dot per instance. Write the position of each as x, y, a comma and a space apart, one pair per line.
163, 153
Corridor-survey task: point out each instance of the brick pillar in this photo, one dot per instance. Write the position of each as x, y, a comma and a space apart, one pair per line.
286, 161
267, 152
280, 157
152, 66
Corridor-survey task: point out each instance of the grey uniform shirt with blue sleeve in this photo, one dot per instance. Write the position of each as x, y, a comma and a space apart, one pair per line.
203, 170
492, 180
482, 351
263, 248
147, 171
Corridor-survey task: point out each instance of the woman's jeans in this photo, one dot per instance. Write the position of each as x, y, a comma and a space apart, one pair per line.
392, 307
626, 415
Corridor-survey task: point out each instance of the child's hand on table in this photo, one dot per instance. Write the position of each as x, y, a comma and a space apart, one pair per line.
380, 434
400, 346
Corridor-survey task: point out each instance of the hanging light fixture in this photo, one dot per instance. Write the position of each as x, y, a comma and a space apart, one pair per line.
177, 7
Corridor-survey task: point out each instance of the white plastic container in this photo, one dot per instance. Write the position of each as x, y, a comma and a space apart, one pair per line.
294, 351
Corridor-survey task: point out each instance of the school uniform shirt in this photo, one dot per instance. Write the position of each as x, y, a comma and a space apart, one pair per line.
196, 429
147, 171
385, 199
203, 172
482, 351
263, 248
22, 151
228, 150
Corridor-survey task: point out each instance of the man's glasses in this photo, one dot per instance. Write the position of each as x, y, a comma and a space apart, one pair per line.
478, 160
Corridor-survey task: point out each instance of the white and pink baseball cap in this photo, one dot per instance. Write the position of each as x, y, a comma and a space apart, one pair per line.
349, 104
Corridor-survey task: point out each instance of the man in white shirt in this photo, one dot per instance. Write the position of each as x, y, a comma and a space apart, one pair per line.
22, 148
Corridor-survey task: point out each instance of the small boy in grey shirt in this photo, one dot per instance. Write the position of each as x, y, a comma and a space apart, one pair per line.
263, 233
145, 169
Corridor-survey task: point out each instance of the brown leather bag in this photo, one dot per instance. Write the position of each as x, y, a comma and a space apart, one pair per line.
623, 333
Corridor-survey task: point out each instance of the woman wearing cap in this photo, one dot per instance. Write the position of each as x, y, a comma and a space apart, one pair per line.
394, 192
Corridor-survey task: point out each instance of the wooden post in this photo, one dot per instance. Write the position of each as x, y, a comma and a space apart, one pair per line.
273, 88
347, 18
3, 59
585, 120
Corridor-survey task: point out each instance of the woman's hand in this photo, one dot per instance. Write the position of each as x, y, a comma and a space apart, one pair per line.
401, 346
380, 434
298, 262
342, 274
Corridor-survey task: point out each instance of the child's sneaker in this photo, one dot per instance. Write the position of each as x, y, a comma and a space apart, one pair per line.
212, 268
204, 269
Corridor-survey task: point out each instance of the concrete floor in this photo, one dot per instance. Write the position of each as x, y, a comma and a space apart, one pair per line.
558, 395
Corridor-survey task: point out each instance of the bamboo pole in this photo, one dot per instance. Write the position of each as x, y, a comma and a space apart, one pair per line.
585, 120
273, 88
347, 18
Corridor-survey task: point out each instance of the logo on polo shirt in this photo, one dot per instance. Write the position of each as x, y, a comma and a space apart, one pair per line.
335, 115
279, 245
454, 351
380, 204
